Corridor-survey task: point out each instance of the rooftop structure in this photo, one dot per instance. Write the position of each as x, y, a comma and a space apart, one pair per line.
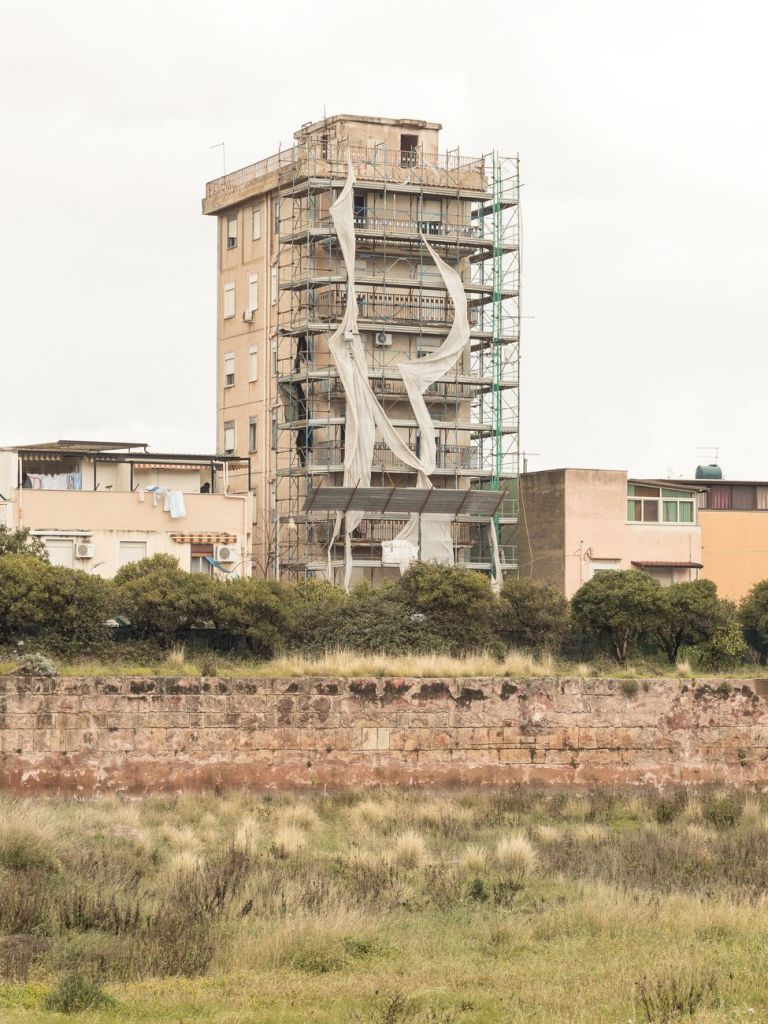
284, 293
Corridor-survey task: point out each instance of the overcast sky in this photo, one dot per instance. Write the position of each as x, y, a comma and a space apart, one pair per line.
642, 134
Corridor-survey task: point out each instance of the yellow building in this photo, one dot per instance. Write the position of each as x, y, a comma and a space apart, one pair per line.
282, 292
100, 505
734, 533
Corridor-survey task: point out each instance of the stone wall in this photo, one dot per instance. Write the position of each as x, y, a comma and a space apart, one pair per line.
136, 735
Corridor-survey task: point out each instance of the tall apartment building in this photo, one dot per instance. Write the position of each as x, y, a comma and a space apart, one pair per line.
282, 292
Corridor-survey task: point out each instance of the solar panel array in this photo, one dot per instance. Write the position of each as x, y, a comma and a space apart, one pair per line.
405, 500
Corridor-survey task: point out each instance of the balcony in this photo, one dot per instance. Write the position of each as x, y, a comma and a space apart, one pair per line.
388, 228
381, 307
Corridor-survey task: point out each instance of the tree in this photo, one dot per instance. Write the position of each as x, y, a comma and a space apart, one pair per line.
726, 647
250, 612
313, 608
161, 601
64, 607
532, 616
21, 542
691, 613
457, 604
618, 608
753, 613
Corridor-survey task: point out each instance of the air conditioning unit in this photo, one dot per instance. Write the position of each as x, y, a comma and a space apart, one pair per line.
83, 549
383, 340
248, 316
223, 553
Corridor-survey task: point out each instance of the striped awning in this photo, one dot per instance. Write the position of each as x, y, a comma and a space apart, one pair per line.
204, 538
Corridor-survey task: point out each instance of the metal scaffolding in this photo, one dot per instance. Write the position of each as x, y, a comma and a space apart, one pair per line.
467, 208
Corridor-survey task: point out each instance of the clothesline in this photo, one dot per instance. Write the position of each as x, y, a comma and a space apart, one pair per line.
53, 481
173, 501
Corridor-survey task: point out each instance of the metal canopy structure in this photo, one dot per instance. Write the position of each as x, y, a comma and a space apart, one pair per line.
405, 501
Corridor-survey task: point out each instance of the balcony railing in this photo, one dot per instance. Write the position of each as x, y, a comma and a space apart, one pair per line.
447, 457
396, 307
387, 387
389, 225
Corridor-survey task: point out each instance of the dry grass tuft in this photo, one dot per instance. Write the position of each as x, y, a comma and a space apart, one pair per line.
473, 857
300, 815
409, 849
516, 857
548, 833
288, 841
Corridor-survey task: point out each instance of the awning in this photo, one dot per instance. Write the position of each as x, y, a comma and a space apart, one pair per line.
668, 565
204, 538
405, 500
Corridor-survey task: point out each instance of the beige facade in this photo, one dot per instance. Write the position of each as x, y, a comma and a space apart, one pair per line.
282, 291
577, 522
95, 509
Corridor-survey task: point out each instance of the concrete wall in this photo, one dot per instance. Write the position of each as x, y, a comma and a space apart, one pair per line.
140, 735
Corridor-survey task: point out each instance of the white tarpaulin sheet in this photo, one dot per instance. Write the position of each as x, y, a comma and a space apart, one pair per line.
429, 539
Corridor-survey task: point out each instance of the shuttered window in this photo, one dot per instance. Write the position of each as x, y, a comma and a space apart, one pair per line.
252, 434
253, 364
229, 299
274, 286
256, 223
229, 437
253, 292
229, 370
232, 232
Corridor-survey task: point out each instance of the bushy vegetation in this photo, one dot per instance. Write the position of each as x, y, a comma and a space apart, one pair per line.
153, 607
500, 907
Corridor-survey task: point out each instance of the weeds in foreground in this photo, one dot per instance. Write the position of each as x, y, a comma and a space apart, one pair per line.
675, 994
321, 892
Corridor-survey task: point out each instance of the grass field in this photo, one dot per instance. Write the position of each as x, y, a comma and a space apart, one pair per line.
462, 908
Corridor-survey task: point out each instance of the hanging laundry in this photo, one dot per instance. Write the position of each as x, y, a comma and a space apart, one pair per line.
176, 505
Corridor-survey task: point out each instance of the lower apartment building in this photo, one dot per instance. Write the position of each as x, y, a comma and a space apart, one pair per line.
578, 522
99, 505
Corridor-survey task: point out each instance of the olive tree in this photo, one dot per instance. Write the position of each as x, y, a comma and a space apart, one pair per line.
618, 608
21, 542
690, 614
531, 615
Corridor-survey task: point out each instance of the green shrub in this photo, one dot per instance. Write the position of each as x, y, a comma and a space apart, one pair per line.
618, 609
458, 604
690, 614
249, 614
753, 613
74, 993
532, 616
379, 621
64, 608
313, 609
674, 994
161, 601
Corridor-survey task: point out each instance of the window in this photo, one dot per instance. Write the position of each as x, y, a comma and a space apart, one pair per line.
132, 551
605, 565
274, 431
360, 208
229, 437
253, 364
647, 504
324, 146
232, 232
198, 562
252, 434
256, 223
253, 292
409, 145
274, 286
274, 358
229, 370
229, 300
276, 215
60, 552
